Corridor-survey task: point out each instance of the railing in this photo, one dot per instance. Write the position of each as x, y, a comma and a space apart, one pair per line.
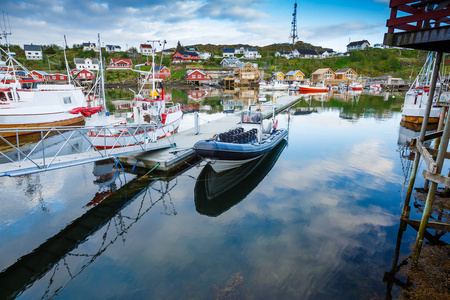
31, 150
410, 15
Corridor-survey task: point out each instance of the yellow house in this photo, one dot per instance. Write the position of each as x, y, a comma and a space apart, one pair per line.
294, 75
344, 74
323, 75
278, 76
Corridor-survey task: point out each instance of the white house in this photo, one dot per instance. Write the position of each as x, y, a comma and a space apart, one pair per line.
305, 53
86, 63
33, 52
145, 49
285, 54
229, 62
325, 54
359, 45
113, 48
240, 50
204, 55
228, 52
252, 53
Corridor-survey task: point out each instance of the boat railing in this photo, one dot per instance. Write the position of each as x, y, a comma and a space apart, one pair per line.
37, 149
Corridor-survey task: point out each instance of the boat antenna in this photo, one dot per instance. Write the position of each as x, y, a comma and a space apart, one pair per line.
5, 33
102, 83
65, 59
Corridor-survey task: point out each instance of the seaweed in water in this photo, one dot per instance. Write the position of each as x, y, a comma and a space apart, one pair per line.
233, 289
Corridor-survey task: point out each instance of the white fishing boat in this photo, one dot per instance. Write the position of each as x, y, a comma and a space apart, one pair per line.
153, 118
416, 99
273, 85
26, 102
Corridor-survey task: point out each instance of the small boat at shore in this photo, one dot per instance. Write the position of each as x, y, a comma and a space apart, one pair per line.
241, 144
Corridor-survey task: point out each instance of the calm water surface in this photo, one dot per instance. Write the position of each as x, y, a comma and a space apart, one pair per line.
315, 219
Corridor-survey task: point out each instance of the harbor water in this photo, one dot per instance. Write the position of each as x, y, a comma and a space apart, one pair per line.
316, 218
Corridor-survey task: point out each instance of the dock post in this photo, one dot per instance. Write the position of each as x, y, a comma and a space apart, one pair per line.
423, 129
439, 162
197, 127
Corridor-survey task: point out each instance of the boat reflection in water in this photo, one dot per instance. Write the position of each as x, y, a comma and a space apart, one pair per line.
215, 193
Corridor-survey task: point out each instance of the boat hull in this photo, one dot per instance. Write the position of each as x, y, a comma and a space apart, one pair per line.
234, 151
419, 120
78, 120
303, 89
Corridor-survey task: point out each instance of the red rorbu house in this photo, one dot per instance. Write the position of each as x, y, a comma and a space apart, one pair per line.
83, 74
120, 63
181, 56
197, 95
58, 77
41, 75
161, 72
197, 76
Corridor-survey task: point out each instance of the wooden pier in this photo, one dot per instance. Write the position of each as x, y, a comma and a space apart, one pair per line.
422, 25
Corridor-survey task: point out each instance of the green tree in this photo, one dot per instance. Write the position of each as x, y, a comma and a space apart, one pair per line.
179, 47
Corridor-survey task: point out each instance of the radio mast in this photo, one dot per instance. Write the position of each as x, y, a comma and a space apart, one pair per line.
294, 34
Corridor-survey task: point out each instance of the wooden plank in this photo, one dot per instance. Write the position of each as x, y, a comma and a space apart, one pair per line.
437, 178
426, 156
443, 103
435, 14
397, 3
416, 224
435, 152
430, 225
433, 135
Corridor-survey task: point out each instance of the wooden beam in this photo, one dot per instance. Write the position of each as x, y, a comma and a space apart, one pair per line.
431, 225
435, 14
419, 147
433, 135
415, 224
437, 178
435, 152
397, 3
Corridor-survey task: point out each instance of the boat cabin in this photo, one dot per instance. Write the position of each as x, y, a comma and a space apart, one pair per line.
7, 96
28, 83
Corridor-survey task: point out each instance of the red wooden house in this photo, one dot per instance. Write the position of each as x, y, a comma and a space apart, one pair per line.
161, 72
120, 63
58, 77
41, 75
196, 76
83, 74
181, 56
197, 95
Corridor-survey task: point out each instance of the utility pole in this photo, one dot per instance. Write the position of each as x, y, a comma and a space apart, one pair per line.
294, 34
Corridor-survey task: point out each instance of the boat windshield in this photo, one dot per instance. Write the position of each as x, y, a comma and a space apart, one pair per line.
251, 117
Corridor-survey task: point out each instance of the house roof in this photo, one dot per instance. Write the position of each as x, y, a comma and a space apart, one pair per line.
252, 49
358, 43
321, 71
307, 51
187, 53
82, 60
146, 46
343, 70
88, 44
125, 60
226, 50
159, 68
284, 52
111, 46
230, 60
291, 73
40, 72
32, 47
189, 72
278, 73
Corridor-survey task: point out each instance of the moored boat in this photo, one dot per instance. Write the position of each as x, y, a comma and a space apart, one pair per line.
416, 98
26, 102
248, 141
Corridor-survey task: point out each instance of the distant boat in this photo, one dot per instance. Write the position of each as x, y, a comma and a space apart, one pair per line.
25, 102
355, 86
308, 88
273, 85
215, 193
416, 98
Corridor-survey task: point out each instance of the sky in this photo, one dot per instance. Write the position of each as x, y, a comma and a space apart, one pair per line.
326, 23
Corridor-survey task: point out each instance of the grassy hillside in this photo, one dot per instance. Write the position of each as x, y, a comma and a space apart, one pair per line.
367, 63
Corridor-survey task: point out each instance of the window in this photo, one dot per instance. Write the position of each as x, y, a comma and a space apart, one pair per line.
67, 100
194, 76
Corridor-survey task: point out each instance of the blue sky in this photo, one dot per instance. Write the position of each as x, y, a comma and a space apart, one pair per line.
129, 23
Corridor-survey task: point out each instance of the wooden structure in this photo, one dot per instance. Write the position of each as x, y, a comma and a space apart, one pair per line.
246, 74
322, 75
423, 25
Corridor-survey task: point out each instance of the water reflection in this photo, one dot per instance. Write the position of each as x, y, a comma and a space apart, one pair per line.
59, 259
215, 193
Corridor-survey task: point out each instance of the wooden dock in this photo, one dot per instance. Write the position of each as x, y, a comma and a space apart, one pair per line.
182, 152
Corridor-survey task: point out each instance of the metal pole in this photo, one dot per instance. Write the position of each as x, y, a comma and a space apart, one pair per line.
439, 162
197, 129
423, 130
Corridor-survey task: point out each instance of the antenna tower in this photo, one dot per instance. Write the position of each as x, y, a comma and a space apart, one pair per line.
294, 34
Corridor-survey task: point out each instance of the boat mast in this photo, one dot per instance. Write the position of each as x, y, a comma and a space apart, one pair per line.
102, 82
65, 59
